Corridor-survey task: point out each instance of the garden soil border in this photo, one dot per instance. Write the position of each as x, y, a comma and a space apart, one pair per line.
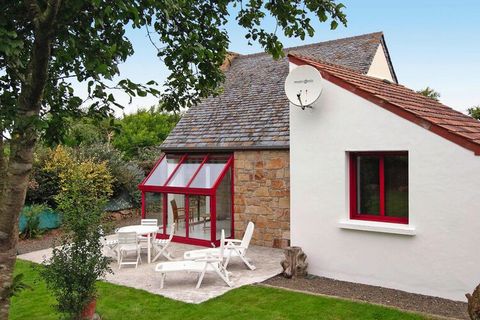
427, 305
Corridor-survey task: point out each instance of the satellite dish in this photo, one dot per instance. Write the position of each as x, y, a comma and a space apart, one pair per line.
303, 86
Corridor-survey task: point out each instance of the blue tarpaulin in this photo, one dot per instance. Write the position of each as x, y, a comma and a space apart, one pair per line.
48, 219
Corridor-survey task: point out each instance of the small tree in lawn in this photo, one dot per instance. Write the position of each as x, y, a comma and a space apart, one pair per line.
78, 262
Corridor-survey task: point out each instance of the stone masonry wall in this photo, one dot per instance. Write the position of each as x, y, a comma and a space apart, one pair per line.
262, 195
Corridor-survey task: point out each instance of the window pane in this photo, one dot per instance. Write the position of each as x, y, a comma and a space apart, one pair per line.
199, 219
176, 214
209, 173
186, 171
224, 206
368, 185
396, 186
154, 207
163, 171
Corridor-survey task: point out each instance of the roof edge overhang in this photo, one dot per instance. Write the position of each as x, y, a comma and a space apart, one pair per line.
222, 149
383, 43
443, 132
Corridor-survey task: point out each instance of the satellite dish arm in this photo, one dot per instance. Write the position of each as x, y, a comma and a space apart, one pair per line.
300, 100
301, 104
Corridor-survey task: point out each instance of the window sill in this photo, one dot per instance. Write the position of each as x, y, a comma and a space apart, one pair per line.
372, 226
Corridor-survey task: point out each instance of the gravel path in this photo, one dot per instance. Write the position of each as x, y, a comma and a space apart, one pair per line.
378, 295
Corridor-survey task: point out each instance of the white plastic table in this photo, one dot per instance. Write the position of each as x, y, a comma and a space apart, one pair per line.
142, 231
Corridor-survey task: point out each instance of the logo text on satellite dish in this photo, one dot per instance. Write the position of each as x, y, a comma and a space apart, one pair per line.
304, 81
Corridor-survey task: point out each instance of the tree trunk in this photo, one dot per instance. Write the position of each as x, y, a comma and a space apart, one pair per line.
474, 304
22, 144
3, 165
294, 264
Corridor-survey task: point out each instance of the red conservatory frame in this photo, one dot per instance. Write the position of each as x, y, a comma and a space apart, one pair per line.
381, 217
187, 190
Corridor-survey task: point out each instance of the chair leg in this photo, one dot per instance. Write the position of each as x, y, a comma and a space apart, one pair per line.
249, 265
224, 277
139, 257
168, 255
159, 253
162, 279
120, 259
227, 260
200, 279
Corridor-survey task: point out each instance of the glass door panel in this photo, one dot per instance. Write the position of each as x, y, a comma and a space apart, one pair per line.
176, 214
200, 217
224, 206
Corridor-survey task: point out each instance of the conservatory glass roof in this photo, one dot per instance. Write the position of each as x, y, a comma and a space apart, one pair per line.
184, 171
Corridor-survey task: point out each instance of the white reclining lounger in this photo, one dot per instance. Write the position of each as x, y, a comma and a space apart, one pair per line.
208, 263
233, 248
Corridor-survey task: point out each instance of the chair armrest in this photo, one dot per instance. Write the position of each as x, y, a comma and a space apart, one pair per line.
233, 240
234, 247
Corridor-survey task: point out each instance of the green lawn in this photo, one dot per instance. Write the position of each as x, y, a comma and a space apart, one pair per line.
250, 302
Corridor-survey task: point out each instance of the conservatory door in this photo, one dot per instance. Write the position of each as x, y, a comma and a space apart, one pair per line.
199, 217
176, 214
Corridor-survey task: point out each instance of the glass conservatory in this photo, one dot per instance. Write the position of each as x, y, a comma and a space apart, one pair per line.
194, 191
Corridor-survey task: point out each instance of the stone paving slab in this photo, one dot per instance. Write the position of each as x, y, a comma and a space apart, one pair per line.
181, 285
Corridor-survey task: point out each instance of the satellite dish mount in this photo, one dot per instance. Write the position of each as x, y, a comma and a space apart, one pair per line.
299, 97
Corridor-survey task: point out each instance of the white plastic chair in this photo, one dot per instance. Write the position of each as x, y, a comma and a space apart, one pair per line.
128, 242
143, 239
161, 245
112, 245
213, 263
233, 248
149, 222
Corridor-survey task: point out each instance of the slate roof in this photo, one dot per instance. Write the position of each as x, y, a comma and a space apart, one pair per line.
253, 111
428, 113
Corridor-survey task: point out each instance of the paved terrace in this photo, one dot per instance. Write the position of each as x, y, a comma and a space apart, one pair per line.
181, 285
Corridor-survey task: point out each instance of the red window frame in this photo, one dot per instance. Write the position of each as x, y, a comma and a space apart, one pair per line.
353, 188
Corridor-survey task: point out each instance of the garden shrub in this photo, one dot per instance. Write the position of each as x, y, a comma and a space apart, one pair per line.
60, 160
52, 163
44, 184
83, 185
43, 187
32, 215
127, 174
148, 157
78, 262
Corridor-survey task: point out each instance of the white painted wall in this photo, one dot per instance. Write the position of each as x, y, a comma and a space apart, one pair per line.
442, 258
379, 66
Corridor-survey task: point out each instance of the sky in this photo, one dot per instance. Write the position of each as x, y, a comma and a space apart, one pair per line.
433, 43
